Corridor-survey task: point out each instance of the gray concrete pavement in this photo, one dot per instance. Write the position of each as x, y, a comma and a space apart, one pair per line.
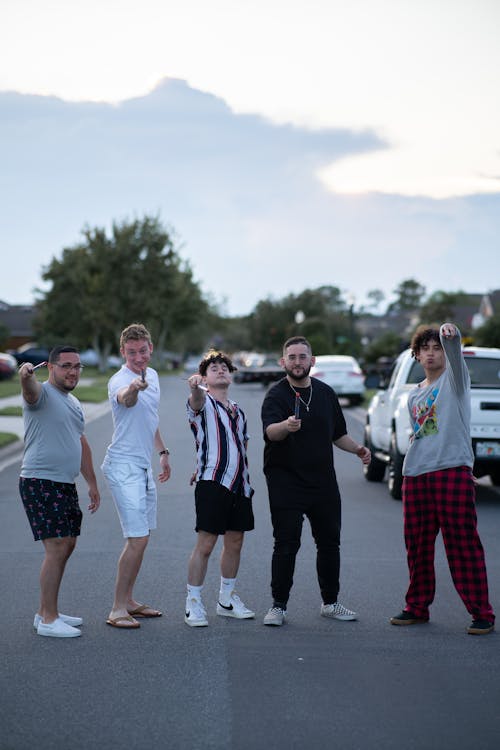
313, 683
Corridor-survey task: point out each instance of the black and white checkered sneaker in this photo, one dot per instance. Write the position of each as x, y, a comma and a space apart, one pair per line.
338, 612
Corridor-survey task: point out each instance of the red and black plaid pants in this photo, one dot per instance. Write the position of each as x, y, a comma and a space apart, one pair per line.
444, 500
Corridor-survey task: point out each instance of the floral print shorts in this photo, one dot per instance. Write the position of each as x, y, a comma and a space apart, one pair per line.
52, 508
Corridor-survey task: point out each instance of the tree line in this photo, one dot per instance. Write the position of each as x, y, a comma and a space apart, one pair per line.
135, 273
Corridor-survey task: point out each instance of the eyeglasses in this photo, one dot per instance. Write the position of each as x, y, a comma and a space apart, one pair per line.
68, 367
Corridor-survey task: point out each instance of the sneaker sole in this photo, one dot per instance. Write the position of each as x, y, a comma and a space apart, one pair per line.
274, 624
480, 631
59, 635
196, 623
395, 621
344, 618
229, 613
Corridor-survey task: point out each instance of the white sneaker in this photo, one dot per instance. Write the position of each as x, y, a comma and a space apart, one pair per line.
57, 629
275, 616
235, 608
338, 612
68, 619
196, 615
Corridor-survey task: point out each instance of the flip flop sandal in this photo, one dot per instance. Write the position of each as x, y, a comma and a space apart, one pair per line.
129, 622
140, 611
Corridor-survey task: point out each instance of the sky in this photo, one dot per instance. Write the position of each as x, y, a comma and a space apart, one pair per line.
350, 143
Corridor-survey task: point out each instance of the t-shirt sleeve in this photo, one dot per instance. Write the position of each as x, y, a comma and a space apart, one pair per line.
339, 423
273, 410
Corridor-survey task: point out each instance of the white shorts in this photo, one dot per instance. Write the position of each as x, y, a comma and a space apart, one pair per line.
134, 493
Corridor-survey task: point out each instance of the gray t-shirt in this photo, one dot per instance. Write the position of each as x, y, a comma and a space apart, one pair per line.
440, 418
53, 427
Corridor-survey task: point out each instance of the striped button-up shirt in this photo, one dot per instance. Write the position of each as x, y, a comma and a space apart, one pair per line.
221, 437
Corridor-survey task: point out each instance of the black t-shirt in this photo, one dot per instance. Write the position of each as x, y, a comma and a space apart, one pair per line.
305, 456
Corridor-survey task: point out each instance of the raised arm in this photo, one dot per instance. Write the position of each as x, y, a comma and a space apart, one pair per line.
129, 394
451, 341
30, 386
198, 395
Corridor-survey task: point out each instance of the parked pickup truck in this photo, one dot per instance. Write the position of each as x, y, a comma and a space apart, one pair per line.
387, 430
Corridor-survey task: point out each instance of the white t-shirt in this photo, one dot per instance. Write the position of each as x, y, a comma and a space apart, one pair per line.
134, 426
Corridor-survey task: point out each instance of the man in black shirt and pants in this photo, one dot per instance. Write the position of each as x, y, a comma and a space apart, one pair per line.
301, 418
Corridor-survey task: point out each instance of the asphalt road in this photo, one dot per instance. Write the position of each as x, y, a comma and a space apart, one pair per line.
311, 684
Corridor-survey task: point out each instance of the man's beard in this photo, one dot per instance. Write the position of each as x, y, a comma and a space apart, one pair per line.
298, 377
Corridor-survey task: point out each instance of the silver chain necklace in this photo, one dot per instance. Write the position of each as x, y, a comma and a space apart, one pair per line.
297, 394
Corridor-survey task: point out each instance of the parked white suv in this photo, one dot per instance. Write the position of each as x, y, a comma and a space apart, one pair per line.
388, 428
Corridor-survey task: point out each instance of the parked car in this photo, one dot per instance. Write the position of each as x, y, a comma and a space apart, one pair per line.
343, 374
191, 363
90, 358
31, 353
8, 365
258, 368
388, 428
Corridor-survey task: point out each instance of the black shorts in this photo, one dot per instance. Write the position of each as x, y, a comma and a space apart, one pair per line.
219, 510
52, 508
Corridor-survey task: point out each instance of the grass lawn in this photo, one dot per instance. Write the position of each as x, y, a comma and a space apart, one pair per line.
6, 438
11, 411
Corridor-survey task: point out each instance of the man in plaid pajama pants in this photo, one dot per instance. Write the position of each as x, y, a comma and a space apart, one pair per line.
438, 487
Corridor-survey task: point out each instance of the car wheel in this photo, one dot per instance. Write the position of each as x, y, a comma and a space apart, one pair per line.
375, 471
355, 400
395, 480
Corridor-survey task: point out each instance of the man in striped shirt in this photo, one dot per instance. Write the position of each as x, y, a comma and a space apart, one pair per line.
223, 495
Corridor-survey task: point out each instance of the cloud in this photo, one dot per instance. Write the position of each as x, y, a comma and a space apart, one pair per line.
243, 194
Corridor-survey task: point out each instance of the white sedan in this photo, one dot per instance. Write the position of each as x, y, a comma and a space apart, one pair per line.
343, 374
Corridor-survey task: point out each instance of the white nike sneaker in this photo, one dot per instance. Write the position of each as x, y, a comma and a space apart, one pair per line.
195, 616
234, 608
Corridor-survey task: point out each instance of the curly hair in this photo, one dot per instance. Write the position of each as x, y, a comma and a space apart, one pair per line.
214, 356
422, 336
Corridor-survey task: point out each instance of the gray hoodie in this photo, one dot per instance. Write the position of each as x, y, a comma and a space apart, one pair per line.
440, 417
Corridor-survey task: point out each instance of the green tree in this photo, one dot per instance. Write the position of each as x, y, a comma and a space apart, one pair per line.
106, 282
441, 306
388, 345
409, 295
489, 333
376, 297
325, 321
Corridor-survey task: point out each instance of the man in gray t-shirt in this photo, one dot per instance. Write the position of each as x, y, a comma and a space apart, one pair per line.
438, 486
56, 451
